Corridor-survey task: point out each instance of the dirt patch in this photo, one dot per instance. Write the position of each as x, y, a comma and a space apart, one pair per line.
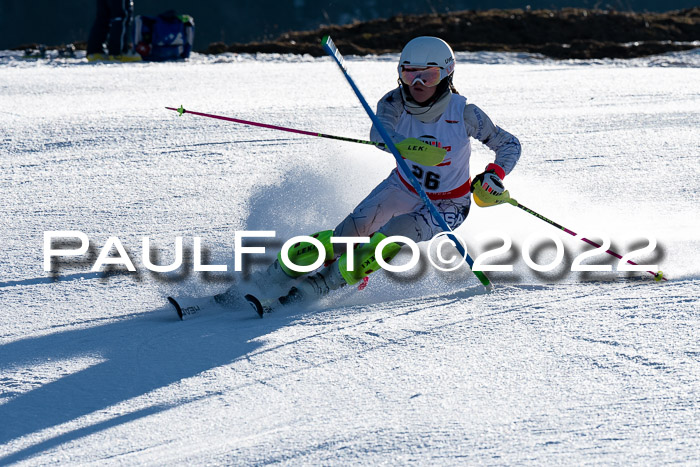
562, 34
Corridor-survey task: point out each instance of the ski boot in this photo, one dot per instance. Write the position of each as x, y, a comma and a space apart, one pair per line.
264, 287
338, 275
316, 285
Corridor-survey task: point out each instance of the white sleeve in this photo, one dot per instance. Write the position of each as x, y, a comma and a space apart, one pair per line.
505, 145
389, 110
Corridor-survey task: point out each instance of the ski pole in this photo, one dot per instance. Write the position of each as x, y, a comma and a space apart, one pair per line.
331, 49
658, 276
411, 148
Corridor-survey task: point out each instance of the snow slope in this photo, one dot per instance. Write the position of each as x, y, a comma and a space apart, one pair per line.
421, 367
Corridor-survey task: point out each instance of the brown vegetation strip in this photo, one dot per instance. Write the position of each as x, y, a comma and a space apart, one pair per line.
566, 33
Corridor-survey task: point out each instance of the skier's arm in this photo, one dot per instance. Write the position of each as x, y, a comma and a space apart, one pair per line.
389, 110
505, 145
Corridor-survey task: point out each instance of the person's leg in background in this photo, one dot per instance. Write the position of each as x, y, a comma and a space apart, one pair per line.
121, 13
99, 30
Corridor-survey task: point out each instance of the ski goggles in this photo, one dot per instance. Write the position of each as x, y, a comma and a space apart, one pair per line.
429, 76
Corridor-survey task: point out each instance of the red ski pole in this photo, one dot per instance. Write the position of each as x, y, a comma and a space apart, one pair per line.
411, 148
658, 276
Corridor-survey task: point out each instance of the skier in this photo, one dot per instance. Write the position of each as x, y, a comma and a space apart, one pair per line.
112, 23
425, 105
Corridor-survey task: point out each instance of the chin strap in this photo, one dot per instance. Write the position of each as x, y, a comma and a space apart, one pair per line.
406, 96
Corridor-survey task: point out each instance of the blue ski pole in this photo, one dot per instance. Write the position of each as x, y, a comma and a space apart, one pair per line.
332, 50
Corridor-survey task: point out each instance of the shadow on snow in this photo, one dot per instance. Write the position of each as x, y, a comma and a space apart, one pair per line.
141, 354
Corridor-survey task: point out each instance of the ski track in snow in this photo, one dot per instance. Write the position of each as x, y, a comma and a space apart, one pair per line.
420, 368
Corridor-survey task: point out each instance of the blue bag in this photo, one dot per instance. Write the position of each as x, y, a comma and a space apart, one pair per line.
168, 36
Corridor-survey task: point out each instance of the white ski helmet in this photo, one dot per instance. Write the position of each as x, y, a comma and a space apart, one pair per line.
427, 51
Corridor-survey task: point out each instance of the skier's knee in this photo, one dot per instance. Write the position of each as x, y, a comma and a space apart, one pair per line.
412, 226
306, 253
364, 260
